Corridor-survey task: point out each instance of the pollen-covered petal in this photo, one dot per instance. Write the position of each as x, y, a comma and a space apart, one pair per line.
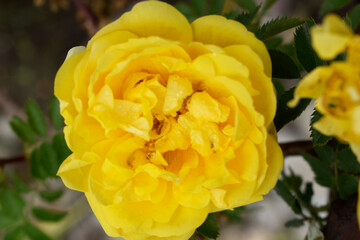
331, 38
152, 18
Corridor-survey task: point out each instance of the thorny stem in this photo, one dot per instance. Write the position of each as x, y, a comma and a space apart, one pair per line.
296, 148
91, 22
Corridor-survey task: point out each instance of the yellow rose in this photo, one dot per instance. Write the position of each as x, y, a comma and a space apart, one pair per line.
335, 87
168, 121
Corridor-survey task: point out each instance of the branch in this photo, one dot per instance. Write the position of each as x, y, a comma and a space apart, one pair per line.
91, 22
17, 159
296, 148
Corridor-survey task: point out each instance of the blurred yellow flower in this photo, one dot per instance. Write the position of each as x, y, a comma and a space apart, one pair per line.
335, 87
168, 121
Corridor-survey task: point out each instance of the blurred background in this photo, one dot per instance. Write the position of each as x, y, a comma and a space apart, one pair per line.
34, 39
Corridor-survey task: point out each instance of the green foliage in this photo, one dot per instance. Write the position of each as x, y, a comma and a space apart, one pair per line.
51, 196
348, 185
318, 138
55, 117
249, 5
235, 214
247, 17
304, 51
216, 6
22, 130
273, 43
326, 153
36, 117
49, 159
354, 15
332, 5
323, 174
62, 150
186, 10
199, 6
284, 192
34, 233
283, 66
294, 223
48, 215
348, 162
284, 114
209, 228
15, 234
12, 205
36, 168
308, 193
19, 183
276, 26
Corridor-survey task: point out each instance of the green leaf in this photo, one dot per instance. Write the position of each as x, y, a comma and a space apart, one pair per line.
304, 51
216, 6
294, 181
34, 233
49, 159
282, 189
294, 223
186, 11
6, 221
246, 4
199, 6
284, 114
276, 26
283, 66
51, 196
15, 234
273, 43
318, 138
209, 228
323, 174
348, 185
308, 193
354, 15
55, 117
347, 161
247, 17
48, 215
60, 147
279, 87
326, 153
36, 117
12, 204
332, 5
235, 214
22, 129
19, 183
37, 169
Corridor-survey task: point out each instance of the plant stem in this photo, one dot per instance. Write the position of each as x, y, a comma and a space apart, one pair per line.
297, 147
11, 160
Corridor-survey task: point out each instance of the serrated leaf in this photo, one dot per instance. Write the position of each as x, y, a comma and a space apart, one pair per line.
348, 185
282, 189
308, 193
216, 7
199, 6
36, 117
12, 204
247, 17
49, 159
209, 228
22, 129
280, 89
294, 223
6, 221
332, 5
48, 215
284, 114
318, 138
19, 183
55, 117
283, 66
60, 147
276, 26
304, 51
235, 214
354, 15
347, 161
34, 233
323, 174
51, 196
37, 169
273, 43
246, 4
15, 234
326, 153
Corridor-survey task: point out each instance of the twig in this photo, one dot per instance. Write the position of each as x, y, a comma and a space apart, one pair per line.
17, 159
296, 148
91, 22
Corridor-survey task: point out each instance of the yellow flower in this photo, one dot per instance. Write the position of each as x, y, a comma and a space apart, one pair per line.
335, 87
168, 121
